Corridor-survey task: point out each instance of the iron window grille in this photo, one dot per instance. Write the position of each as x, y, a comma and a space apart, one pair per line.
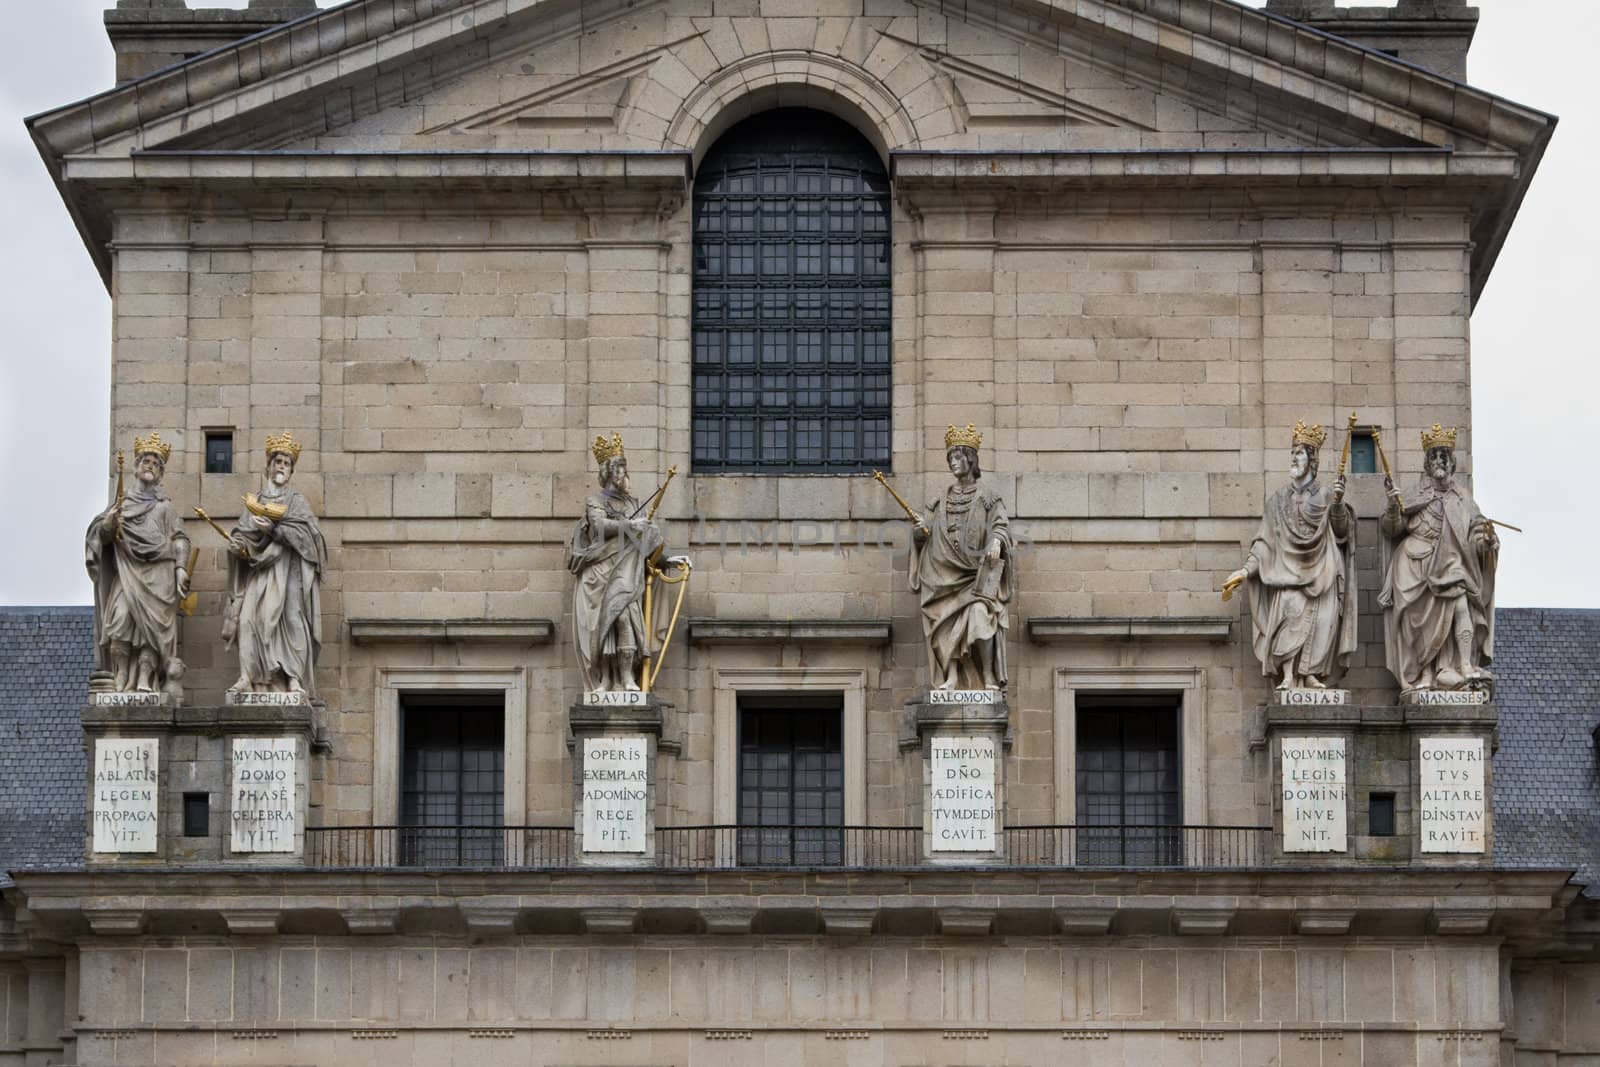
790, 319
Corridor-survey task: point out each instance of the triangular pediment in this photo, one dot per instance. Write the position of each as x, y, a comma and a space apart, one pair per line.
546, 74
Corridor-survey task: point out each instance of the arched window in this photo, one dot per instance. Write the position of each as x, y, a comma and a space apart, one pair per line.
791, 299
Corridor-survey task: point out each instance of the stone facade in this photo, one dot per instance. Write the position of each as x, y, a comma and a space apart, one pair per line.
446, 243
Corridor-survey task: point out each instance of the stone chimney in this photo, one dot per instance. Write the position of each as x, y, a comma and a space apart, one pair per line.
150, 34
1433, 34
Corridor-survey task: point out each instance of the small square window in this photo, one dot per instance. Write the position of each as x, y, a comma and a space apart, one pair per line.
1380, 814
1363, 453
196, 814
219, 451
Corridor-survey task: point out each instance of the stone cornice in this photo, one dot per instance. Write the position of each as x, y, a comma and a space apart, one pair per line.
1268, 902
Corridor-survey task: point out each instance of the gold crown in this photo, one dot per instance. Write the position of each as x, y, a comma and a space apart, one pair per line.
1312, 435
970, 437
604, 449
284, 442
153, 443
1439, 437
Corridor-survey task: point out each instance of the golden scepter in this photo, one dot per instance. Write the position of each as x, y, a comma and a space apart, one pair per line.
235, 549
1377, 442
117, 522
192, 601
1344, 457
898, 499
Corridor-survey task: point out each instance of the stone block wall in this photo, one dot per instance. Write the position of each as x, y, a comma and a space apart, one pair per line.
1135, 376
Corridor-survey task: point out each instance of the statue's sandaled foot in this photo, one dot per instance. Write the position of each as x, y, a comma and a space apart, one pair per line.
241, 686
1449, 679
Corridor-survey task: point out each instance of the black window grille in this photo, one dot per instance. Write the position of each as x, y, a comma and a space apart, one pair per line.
1128, 792
791, 786
452, 786
791, 299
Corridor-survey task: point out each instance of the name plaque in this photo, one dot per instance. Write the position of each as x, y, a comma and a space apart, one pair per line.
1314, 794
616, 788
1312, 697
616, 699
963, 696
125, 785
127, 700
268, 700
266, 771
1445, 697
1451, 794
962, 794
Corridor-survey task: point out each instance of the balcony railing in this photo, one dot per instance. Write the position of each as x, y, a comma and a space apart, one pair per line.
724, 847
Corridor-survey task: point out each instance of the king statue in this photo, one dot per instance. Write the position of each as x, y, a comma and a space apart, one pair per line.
1439, 561
275, 569
961, 568
138, 558
610, 555
1301, 574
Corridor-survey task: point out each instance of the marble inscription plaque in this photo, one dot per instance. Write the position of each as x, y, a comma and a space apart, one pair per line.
264, 700
616, 787
265, 773
1445, 697
1452, 794
962, 794
1313, 794
125, 786
616, 698
1312, 697
963, 696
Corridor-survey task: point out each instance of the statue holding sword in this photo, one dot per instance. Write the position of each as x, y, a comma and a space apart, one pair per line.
963, 571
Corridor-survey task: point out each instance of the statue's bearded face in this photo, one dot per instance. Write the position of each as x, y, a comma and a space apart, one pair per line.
1302, 462
148, 468
1440, 464
614, 474
279, 467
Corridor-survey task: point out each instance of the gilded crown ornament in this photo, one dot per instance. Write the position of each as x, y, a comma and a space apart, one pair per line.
1312, 435
284, 442
1439, 437
153, 443
969, 437
605, 448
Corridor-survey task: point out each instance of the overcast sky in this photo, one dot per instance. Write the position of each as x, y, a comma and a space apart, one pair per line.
1536, 345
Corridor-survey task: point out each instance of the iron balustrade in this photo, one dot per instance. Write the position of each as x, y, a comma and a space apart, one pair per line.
802, 847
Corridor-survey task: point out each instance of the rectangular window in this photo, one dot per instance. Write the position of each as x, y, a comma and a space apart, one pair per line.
452, 779
196, 814
1380, 814
1128, 790
791, 782
1363, 452
219, 451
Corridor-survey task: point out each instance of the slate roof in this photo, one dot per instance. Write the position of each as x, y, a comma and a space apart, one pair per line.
1547, 770
46, 655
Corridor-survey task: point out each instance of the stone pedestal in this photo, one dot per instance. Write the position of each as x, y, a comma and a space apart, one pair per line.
242, 771
963, 775
1311, 737
615, 738
1429, 758
1452, 736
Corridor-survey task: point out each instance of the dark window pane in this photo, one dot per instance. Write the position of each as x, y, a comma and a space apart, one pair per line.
219, 451
452, 782
1127, 781
791, 232
1363, 453
1380, 814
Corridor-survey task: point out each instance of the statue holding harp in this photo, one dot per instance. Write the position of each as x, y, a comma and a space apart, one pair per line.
617, 556
963, 572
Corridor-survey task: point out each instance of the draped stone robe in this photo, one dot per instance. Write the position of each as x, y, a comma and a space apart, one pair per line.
608, 594
1303, 601
276, 606
136, 577
963, 595
1431, 563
